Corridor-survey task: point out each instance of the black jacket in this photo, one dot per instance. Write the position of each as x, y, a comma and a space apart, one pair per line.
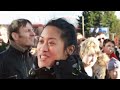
63, 69
15, 64
3, 46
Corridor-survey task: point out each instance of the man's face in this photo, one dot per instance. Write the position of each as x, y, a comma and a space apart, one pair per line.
101, 38
26, 36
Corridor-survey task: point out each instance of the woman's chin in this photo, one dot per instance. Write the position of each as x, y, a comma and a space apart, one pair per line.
42, 63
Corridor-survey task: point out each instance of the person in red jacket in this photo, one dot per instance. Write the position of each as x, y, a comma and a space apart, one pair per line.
113, 55
109, 47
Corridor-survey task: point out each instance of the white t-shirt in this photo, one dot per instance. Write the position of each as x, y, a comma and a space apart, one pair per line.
89, 71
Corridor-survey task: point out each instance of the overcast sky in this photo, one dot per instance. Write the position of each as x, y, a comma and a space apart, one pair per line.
42, 17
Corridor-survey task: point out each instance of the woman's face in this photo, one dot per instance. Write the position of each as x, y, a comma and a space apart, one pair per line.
50, 47
109, 48
115, 73
89, 59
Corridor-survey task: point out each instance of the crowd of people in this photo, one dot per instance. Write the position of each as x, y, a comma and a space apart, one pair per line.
57, 51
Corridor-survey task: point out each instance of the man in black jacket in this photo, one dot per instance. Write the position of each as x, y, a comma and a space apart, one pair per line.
17, 61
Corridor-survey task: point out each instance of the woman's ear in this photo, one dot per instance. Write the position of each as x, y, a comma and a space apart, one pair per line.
15, 36
70, 49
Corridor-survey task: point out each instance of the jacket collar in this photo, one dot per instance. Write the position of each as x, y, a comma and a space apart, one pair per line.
16, 46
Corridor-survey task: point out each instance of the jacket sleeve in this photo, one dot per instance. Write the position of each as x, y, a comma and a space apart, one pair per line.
3, 68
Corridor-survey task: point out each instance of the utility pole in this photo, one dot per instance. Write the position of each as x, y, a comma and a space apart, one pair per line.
83, 26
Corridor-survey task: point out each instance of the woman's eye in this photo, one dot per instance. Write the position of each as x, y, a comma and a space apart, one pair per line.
41, 41
29, 30
51, 43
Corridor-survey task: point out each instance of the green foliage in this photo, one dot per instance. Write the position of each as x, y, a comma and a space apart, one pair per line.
99, 18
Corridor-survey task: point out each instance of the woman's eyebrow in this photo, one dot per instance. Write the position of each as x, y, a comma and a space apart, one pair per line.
52, 38
49, 38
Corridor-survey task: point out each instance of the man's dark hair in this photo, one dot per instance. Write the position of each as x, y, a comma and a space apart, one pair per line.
108, 40
15, 26
68, 32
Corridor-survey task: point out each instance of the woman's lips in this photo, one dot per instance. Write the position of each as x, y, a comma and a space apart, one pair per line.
43, 57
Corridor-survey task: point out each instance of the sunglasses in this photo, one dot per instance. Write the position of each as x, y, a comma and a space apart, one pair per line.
101, 38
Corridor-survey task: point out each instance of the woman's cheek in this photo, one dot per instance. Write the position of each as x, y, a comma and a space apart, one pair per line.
85, 59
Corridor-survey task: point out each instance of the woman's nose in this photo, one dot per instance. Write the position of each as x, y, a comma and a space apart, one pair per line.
33, 33
44, 47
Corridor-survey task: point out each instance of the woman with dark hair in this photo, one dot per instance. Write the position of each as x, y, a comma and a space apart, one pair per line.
57, 52
109, 48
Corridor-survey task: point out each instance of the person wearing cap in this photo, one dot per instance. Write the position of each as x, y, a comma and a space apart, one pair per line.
113, 69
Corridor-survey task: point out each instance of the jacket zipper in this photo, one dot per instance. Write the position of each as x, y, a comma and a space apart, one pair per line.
25, 67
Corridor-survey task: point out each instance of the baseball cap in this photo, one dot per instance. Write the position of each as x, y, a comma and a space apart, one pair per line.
113, 64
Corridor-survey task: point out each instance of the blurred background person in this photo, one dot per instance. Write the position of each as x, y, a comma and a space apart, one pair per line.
100, 67
113, 69
3, 38
80, 39
89, 53
101, 37
109, 48
38, 32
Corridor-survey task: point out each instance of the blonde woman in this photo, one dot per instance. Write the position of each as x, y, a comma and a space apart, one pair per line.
100, 66
89, 52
